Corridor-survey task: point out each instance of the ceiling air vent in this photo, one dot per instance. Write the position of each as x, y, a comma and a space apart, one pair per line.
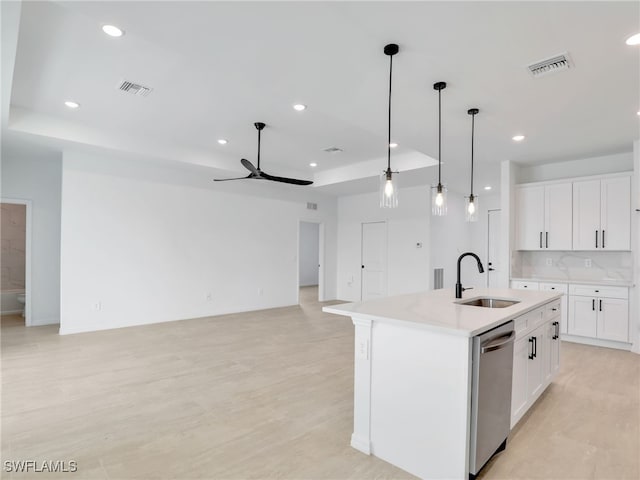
134, 88
332, 150
550, 65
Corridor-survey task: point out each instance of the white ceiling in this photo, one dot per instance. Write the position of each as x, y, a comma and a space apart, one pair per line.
217, 67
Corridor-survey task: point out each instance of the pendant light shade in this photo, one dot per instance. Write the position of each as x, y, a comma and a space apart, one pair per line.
388, 183
439, 192
471, 202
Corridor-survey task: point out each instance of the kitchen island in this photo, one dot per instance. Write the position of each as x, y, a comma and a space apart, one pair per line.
413, 372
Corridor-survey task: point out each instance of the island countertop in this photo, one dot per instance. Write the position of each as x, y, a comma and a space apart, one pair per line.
440, 311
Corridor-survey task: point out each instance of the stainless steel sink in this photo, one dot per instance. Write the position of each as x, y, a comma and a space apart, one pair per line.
489, 302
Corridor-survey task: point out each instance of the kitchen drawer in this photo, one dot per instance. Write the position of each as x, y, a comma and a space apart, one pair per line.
599, 291
528, 321
552, 309
555, 287
522, 285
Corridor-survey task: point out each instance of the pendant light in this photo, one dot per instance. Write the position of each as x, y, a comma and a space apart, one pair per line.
389, 184
471, 214
439, 192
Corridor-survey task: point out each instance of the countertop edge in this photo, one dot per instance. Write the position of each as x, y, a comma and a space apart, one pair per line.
334, 309
604, 283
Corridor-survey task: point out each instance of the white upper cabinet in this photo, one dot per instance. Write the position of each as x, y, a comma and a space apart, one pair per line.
615, 213
602, 214
586, 215
557, 216
529, 218
543, 217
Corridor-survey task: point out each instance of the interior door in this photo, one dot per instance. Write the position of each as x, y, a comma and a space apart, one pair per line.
374, 260
493, 249
615, 199
586, 215
557, 215
529, 218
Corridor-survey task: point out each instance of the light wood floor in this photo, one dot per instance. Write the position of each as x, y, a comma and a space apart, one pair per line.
269, 395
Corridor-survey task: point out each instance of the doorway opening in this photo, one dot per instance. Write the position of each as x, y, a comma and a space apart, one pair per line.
493, 248
15, 278
310, 262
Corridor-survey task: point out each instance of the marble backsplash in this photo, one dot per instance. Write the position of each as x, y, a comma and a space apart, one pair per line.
573, 265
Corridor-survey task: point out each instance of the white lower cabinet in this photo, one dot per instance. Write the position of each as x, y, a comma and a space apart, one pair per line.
536, 357
599, 312
564, 289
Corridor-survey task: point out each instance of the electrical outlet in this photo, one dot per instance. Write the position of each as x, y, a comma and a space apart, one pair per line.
209, 297
97, 306
587, 262
549, 262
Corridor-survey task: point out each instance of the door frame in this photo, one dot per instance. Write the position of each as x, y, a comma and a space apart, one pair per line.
321, 255
489, 236
27, 253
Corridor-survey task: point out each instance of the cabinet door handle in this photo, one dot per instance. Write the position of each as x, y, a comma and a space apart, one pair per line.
556, 333
546, 234
593, 304
531, 356
600, 305
596, 238
535, 346
540, 239
602, 238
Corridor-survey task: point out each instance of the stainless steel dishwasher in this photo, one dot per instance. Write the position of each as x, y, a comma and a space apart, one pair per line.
492, 371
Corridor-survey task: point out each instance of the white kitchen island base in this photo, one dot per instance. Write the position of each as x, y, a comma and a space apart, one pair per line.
412, 379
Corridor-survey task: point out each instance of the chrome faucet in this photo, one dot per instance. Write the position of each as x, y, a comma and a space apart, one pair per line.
459, 288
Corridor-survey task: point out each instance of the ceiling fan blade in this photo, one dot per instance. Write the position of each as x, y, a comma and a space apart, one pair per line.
249, 166
293, 181
237, 178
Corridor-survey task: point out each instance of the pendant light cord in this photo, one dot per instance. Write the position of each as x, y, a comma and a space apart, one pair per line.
389, 119
473, 128
439, 138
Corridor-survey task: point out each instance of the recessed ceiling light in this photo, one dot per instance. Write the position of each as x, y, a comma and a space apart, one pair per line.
518, 138
488, 187
299, 107
313, 164
222, 141
71, 104
393, 144
633, 39
638, 112
112, 30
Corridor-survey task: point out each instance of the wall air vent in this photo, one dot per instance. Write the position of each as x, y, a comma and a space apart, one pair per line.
312, 206
332, 150
550, 65
134, 88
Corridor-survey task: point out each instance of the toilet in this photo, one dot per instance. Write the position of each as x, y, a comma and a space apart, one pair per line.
21, 298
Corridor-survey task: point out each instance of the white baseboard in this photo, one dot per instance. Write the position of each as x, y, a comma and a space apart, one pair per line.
360, 443
39, 322
10, 312
596, 342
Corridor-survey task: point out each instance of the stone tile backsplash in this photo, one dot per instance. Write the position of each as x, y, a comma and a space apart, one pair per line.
572, 265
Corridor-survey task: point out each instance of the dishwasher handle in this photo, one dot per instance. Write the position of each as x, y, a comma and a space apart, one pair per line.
498, 342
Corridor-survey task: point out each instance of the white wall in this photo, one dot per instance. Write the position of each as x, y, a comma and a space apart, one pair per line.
309, 253
621, 162
408, 268
635, 212
149, 242
38, 178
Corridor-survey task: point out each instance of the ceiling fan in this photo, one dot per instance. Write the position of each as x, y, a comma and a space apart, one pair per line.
259, 174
